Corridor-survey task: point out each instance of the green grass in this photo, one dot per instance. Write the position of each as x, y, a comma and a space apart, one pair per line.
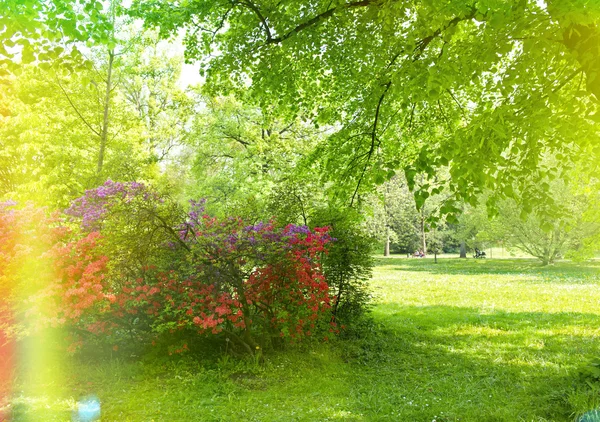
489, 340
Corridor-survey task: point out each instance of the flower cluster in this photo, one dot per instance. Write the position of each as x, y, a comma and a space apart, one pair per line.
264, 280
79, 284
96, 203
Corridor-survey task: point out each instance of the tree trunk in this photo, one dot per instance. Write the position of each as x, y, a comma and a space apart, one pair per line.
386, 249
104, 132
463, 249
423, 232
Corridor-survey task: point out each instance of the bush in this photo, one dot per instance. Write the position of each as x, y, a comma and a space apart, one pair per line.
348, 265
25, 234
133, 269
265, 281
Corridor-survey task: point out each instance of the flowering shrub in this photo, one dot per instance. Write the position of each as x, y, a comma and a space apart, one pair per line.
263, 280
7, 253
136, 226
93, 206
25, 234
138, 269
79, 283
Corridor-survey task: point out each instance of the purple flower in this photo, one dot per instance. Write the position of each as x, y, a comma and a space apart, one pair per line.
255, 227
7, 204
294, 229
95, 203
196, 211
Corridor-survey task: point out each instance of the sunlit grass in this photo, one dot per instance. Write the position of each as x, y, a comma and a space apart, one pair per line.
495, 340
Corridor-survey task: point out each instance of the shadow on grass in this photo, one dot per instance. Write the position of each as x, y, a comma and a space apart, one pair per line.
447, 363
421, 364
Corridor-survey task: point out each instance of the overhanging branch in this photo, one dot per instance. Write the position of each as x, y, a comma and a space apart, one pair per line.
373, 140
300, 27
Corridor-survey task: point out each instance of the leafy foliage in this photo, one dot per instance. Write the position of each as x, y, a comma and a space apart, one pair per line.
591, 372
269, 278
531, 231
67, 131
132, 274
484, 90
241, 153
50, 138
34, 30
348, 265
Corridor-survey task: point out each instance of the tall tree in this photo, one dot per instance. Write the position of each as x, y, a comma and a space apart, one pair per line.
398, 222
66, 131
50, 137
151, 85
483, 88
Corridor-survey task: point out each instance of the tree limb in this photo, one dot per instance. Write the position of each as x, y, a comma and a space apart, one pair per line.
260, 16
373, 140
422, 45
75, 109
311, 22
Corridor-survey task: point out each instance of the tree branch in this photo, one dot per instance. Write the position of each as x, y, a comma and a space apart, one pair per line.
311, 22
260, 16
373, 140
236, 138
76, 110
422, 45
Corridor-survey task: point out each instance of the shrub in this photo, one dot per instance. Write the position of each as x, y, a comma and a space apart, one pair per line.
265, 282
136, 223
133, 268
348, 265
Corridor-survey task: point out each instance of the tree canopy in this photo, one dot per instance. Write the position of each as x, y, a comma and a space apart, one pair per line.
47, 30
484, 88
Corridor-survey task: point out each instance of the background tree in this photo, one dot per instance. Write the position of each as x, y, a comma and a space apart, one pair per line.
151, 85
472, 230
240, 153
395, 218
395, 213
544, 238
64, 132
51, 137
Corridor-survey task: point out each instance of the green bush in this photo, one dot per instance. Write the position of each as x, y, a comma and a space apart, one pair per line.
348, 265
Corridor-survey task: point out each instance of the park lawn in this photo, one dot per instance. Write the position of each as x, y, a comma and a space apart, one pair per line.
469, 340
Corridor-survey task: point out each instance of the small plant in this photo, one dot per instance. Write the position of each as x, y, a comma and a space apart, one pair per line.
591, 372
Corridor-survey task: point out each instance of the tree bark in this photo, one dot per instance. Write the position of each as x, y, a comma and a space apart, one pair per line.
104, 132
463, 249
424, 240
386, 249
